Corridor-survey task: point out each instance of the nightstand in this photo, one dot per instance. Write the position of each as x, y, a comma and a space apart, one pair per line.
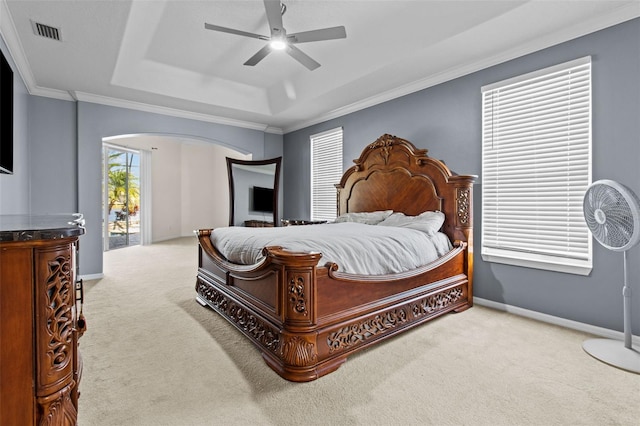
258, 224
296, 222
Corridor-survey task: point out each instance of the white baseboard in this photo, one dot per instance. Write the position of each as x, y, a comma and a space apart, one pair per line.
89, 277
562, 322
159, 240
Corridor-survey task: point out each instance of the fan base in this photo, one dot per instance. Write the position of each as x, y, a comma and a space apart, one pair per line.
613, 352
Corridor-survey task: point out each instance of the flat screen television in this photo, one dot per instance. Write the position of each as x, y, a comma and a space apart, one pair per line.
262, 199
6, 116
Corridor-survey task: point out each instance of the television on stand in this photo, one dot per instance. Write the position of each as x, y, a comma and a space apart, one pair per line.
262, 199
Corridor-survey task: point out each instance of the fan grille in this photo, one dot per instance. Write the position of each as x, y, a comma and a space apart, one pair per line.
611, 215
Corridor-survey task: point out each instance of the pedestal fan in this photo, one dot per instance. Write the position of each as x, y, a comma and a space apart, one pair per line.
612, 213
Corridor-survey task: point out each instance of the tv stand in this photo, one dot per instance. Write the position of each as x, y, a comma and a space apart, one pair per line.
258, 224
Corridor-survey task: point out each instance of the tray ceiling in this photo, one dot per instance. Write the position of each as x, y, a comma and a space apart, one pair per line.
157, 55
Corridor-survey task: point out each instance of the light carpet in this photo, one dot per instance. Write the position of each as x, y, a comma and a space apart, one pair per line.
153, 356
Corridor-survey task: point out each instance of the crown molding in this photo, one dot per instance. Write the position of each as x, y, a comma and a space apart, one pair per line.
11, 40
617, 16
139, 106
9, 35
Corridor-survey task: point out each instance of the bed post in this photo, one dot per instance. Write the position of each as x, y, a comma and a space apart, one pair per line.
463, 224
298, 353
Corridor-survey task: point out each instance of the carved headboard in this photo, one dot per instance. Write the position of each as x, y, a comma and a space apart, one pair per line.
392, 174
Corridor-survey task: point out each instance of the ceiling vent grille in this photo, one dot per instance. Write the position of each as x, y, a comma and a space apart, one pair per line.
46, 31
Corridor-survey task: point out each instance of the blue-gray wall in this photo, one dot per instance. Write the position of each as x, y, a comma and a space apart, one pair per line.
53, 155
446, 119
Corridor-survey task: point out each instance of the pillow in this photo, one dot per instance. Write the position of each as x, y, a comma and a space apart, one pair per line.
369, 218
428, 222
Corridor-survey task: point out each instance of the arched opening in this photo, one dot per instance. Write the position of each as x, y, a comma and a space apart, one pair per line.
182, 186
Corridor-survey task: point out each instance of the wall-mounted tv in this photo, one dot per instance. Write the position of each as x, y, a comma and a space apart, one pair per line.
262, 199
6, 116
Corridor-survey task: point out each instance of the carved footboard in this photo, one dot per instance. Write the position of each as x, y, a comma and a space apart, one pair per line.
302, 317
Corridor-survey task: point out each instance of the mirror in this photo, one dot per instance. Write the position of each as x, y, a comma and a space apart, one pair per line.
253, 192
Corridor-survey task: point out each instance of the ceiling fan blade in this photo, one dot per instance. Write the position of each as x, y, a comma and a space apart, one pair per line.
274, 16
232, 31
260, 54
318, 35
302, 57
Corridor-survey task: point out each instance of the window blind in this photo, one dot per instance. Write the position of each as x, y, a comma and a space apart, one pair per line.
326, 171
536, 167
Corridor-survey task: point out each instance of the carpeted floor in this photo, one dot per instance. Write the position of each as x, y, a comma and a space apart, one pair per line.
153, 356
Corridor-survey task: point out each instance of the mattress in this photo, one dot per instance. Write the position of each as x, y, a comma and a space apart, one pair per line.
355, 247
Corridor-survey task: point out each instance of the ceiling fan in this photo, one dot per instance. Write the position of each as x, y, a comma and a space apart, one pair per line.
280, 40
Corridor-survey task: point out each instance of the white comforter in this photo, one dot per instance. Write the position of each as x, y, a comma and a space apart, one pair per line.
356, 248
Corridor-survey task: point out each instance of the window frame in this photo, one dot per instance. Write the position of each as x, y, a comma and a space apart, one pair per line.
582, 262
333, 149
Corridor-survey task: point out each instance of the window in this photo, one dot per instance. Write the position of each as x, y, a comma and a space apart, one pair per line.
326, 172
536, 167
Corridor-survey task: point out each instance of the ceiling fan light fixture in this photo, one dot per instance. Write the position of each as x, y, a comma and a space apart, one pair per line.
279, 40
278, 44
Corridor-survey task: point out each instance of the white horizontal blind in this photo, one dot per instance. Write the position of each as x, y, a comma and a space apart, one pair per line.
536, 162
326, 172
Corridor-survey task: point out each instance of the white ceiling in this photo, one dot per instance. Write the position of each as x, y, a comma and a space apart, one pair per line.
156, 55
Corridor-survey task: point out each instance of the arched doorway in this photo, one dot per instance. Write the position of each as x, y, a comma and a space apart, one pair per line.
182, 186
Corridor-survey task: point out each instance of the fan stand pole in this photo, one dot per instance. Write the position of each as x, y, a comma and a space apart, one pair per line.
626, 294
611, 351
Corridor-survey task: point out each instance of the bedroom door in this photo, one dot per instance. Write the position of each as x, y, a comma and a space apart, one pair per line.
121, 197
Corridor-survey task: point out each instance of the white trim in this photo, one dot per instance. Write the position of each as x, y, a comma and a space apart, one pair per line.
146, 182
537, 261
174, 237
325, 166
550, 319
551, 106
11, 40
538, 73
181, 137
120, 147
89, 277
105, 199
139, 106
326, 132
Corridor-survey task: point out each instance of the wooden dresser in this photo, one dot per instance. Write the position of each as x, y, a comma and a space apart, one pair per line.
40, 366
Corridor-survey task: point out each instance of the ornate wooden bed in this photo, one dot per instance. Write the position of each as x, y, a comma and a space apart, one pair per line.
307, 319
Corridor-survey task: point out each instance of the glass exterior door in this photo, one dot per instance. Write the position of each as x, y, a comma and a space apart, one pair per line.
121, 197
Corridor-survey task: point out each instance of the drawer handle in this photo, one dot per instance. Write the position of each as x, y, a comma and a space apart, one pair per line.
80, 291
81, 322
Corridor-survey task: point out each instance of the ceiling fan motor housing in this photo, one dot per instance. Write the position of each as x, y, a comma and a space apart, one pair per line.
280, 40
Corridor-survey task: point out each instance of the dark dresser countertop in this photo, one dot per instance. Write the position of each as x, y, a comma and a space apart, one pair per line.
25, 227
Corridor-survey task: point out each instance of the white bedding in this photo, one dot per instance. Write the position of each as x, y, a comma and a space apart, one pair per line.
356, 248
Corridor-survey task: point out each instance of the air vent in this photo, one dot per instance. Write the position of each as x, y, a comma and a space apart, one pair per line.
46, 31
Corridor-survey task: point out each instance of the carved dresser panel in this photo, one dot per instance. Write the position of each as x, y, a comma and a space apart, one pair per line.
39, 327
